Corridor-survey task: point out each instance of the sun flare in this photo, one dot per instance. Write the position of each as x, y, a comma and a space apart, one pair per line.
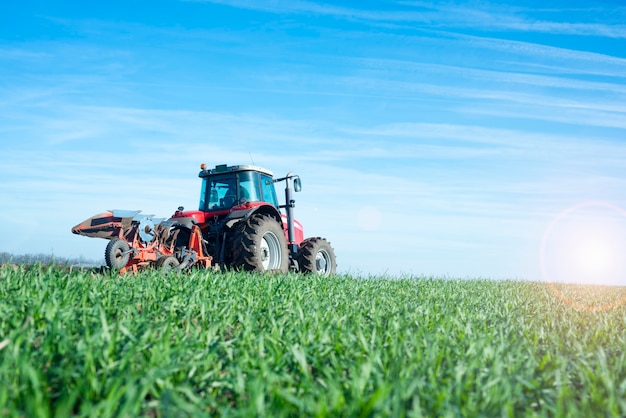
595, 257
584, 244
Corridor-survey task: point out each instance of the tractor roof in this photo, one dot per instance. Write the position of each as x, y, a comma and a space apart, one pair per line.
223, 168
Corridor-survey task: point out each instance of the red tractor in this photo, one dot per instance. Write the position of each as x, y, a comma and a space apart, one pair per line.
238, 225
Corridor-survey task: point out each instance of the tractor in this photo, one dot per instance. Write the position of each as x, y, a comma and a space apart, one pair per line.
239, 225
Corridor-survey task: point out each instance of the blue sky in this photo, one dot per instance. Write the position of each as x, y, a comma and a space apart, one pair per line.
458, 139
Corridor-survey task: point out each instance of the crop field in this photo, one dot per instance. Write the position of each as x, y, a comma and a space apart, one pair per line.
76, 343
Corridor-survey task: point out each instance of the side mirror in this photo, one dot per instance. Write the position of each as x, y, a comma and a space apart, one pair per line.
297, 185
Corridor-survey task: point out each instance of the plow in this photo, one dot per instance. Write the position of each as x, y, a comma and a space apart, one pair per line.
137, 241
239, 225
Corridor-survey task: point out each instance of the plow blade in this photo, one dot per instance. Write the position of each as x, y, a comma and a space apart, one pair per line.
115, 223
103, 225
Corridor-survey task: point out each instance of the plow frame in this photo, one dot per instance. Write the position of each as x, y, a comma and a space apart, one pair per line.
144, 255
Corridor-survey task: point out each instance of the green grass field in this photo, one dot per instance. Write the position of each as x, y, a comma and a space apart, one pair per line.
84, 344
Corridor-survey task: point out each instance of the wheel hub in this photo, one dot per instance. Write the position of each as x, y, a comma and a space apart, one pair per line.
270, 252
322, 262
265, 254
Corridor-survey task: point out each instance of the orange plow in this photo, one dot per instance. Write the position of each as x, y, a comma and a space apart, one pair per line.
138, 241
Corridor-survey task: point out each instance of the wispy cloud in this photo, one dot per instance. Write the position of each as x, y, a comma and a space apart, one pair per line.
514, 75
484, 16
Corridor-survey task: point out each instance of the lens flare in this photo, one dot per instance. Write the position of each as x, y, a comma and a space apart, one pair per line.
585, 245
595, 257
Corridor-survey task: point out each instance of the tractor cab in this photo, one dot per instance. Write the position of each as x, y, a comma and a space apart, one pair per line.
225, 187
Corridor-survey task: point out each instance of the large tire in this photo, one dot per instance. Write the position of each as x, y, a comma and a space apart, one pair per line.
317, 256
117, 254
258, 244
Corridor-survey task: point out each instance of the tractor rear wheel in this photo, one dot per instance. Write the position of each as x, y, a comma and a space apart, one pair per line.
317, 256
259, 244
117, 254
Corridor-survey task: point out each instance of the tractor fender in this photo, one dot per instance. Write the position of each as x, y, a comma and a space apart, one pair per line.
237, 216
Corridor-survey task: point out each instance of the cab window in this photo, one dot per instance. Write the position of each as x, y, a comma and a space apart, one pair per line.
269, 194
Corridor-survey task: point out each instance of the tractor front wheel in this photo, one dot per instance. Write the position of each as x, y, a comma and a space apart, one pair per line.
117, 254
317, 256
259, 244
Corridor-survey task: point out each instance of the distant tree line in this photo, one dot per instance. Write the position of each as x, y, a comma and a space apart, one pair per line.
46, 259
